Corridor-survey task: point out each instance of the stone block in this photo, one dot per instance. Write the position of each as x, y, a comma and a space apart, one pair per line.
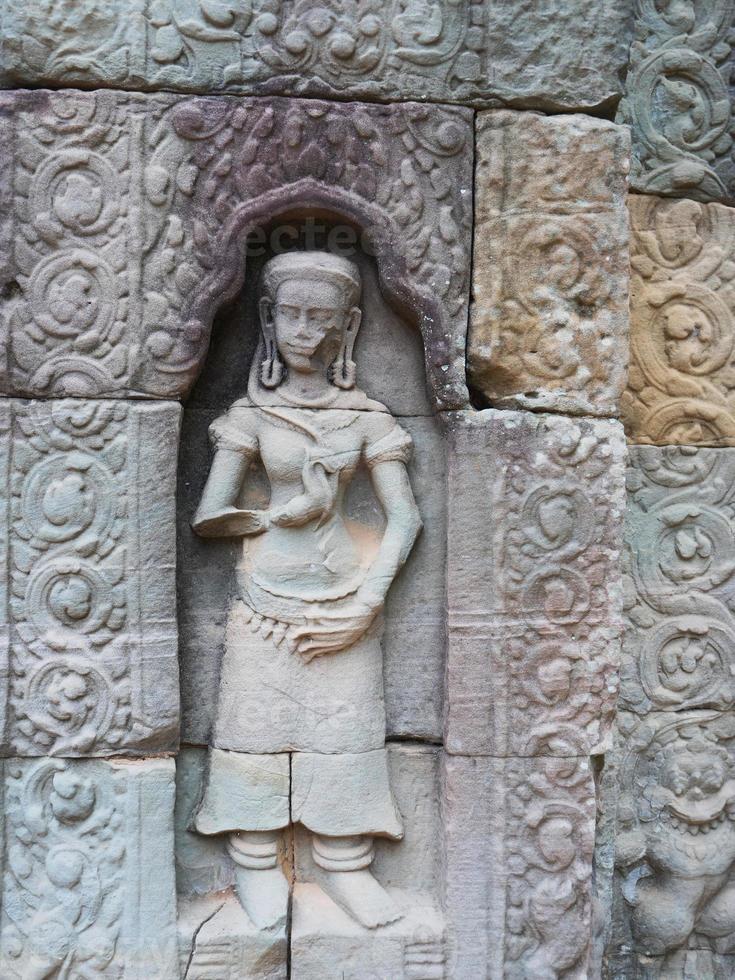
414, 632
681, 384
680, 564
474, 51
519, 837
89, 612
133, 218
216, 940
88, 881
534, 590
549, 323
677, 101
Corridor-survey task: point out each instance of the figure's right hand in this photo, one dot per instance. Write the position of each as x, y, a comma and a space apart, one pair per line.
231, 522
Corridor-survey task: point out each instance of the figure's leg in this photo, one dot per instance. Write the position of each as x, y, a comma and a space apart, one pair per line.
349, 882
665, 913
717, 918
261, 884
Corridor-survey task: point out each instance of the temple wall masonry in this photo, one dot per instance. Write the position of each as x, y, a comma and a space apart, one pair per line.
367, 496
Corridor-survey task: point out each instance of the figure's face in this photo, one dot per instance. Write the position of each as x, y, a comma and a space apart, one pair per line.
309, 317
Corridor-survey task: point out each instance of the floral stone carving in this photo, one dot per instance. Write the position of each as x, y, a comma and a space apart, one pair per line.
533, 642
550, 277
471, 51
677, 101
89, 608
681, 385
130, 217
519, 841
88, 882
681, 580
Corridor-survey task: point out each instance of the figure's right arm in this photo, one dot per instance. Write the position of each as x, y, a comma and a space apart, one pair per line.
217, 516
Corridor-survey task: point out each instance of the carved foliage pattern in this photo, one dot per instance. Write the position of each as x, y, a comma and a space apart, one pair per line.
130, 212
678, 99
77, 630
547, 611
549, 844
681, 385
439, 50
563, 504
75, 886
550, 281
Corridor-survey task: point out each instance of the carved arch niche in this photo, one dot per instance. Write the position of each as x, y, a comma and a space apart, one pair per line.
392, 366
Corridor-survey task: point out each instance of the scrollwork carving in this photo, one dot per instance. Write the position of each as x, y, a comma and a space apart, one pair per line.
677, 100
682, 374
77, 641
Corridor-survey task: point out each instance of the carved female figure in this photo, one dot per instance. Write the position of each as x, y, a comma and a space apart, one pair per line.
300, 727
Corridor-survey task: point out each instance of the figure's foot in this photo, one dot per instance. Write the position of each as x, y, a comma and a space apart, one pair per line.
260, 883
361, 896
263, 893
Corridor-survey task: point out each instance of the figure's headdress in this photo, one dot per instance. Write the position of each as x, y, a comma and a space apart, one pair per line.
320, 266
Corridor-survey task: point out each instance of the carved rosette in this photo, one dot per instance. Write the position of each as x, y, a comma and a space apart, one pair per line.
678, 100
131, 215
92, 662
681, 385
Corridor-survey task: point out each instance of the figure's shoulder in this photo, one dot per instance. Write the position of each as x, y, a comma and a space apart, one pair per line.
237, 428
384, 439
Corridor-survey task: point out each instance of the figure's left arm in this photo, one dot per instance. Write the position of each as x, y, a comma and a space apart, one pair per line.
393, 490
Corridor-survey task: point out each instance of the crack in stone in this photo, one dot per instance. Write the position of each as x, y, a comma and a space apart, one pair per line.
196, 936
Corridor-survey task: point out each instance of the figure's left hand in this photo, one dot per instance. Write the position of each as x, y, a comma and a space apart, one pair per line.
332, 631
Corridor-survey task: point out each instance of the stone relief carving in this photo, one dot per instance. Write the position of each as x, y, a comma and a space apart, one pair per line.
534, 641
300, 728
682, 373
675, 842
88, 885
550, 315
440, 50
90, 609
675, 846
519, 839
130, 216
681, 580
677, 100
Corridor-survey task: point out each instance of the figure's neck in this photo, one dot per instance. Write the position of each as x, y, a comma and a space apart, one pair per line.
313, 388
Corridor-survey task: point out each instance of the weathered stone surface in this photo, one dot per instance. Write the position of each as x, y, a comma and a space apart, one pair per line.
681, 385
678, 94
549, 321
474, 51
325, 941
674, 756
680, 631
414, 635
89, 616
675, 845
88, 882
534, 597
131, 214
324, 938
518, 866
